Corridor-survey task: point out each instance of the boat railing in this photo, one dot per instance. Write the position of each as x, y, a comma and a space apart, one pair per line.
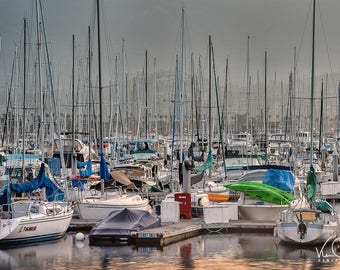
5, 211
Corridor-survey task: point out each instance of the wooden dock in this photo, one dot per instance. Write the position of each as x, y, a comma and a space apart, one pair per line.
182, 230
168, 234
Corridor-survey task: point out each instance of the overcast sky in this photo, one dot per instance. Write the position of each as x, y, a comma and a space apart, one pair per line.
275, 26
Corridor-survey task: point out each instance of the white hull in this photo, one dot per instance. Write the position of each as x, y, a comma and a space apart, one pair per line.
306, 226
316, 233
35, 227
97, 208
268, 212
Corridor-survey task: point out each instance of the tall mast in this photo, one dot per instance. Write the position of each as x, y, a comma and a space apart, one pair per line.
181, 96
146, 94
209, 106
100, 83
24, 104
312, 88
192, 97
248, 86
155, 97
265, 102
42, 118
89, 118
74, 155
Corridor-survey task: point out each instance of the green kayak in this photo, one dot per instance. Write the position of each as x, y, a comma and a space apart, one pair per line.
262, 191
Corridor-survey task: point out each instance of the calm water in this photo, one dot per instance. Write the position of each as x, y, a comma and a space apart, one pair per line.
212, 251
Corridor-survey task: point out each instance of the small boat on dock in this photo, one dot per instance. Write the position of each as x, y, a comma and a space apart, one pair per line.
119, 225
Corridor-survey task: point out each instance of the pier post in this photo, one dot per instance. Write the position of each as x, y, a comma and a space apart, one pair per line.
335, 165
188, 166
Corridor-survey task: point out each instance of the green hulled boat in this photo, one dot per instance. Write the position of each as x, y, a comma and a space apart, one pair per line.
262, 191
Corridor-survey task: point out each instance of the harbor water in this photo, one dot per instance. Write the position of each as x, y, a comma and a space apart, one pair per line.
209, 251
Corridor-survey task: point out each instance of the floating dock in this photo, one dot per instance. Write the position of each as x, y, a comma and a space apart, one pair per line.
168, 234
182, 230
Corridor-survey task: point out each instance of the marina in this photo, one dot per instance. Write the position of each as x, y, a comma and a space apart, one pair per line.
111, 164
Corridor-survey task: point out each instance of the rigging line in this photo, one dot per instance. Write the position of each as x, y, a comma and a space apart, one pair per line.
303, 33
327, 50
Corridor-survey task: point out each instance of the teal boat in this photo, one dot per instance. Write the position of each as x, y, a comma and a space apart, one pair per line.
262, 191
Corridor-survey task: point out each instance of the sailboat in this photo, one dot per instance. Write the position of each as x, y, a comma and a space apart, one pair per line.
27, 220
309, 221
98, 206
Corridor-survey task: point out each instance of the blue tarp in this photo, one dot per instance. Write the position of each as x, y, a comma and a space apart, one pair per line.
54, 164
52, 191
79, 184
88, 170
104, 171
281, 179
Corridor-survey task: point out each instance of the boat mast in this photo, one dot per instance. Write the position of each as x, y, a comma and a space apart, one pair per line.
265, 103
181, 89
209, 106
89, 118
24, 104
146, 94
100, 83
248, 86
74, 155
39, 32
312, 88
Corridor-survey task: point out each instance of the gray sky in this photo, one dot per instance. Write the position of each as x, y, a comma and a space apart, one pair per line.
273, 25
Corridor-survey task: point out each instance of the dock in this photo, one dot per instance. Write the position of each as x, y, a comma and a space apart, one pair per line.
182, 230
168, 234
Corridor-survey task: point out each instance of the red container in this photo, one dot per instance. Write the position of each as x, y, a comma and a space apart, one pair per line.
184, 200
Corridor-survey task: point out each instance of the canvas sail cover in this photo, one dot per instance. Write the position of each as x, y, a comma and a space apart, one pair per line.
88, 168
103, 170
311, 184
53, 192
206, 165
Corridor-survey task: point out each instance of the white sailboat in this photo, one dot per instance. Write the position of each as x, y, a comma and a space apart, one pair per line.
99, 206
310, 221
27, 220
30, 221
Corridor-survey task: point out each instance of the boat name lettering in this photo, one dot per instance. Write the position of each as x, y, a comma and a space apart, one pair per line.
147, 235
28, 229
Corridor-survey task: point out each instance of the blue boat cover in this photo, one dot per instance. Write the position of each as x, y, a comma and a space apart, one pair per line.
104, 171
281, 179
123, 222
324, 206
88, 170
53, 192
54, 164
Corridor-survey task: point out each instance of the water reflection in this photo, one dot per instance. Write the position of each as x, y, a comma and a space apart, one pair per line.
212, 251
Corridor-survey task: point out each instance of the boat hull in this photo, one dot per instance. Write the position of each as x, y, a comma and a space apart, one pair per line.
36, 228
96, 209
288, 232
260, 212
